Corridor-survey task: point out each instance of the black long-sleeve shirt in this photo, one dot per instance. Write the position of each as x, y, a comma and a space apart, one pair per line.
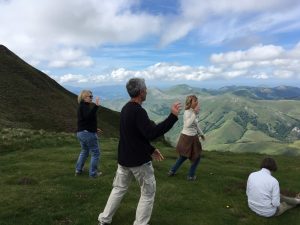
136, 132
87, 117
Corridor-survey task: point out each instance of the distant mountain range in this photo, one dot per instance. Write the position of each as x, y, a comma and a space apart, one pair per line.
111, 92
235, 118
31, 99
260, 93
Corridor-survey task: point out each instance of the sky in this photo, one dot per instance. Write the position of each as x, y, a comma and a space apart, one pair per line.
205, 43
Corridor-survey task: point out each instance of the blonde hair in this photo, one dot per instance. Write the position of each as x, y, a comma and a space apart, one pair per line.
188, 101
83, 94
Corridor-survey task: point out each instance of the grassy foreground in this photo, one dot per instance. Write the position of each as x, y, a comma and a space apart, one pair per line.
38, 186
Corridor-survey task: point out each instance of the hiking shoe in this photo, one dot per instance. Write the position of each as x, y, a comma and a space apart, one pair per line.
193, 178
171, 173
98, 174
298, 198
102, 223
77, 173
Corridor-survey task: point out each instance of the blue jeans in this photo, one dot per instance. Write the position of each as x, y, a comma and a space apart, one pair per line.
89, 143
179, 162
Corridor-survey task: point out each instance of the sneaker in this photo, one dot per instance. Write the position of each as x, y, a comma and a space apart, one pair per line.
193, 178
171, 173
98, 174
298, 198
102, 223
77, 173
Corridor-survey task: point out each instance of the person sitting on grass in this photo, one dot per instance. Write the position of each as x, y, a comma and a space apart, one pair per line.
263, 192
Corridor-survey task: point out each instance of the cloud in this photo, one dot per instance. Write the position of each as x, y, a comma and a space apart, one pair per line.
54, 34
159, 71
283, 73
260, 76
48, 28
70, 58
84, 24
242, 65
70, 78
175, 31
221, 21
259, 62
256, 53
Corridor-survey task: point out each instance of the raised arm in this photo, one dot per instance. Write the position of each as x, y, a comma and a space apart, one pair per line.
149, 129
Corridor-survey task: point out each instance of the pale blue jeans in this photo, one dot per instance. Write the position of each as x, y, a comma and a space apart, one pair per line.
144, 174
89, 143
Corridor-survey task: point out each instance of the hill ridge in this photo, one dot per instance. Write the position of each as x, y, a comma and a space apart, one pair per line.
31, 99
233, 122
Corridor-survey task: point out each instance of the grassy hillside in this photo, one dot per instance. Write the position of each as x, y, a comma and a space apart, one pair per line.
235, 123
232, 123
251, 122
38, 186
31, 99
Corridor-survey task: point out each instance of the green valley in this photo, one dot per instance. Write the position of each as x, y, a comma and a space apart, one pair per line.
231, 122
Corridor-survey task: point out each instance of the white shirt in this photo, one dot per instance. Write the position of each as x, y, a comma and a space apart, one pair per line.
263, 193
191, 123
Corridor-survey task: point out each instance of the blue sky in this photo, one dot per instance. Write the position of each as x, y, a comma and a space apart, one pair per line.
202, 43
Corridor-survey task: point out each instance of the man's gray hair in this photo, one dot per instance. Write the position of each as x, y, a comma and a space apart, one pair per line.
134, 86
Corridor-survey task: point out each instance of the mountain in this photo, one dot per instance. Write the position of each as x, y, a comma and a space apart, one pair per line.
276, 93
183, 89
31, 99
235, 118
260, 93
266, 93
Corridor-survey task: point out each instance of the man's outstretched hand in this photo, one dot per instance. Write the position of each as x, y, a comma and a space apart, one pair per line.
157, 156
175, 108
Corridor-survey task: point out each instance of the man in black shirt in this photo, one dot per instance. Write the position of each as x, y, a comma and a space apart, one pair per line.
135, 153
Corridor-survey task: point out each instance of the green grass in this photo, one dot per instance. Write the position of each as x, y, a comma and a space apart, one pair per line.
13, 139
38, 186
